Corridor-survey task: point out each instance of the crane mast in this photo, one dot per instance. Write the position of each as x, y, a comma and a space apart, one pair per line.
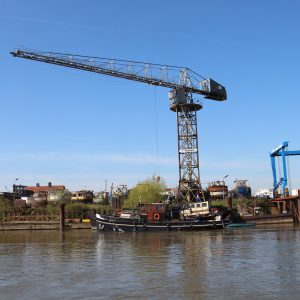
183, 83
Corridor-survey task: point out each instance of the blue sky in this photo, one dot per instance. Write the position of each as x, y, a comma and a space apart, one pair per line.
80, 129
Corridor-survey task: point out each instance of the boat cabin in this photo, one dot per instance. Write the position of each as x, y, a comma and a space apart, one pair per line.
153, 211
195, 209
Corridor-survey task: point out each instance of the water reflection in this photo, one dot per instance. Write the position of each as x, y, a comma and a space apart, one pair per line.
87, 264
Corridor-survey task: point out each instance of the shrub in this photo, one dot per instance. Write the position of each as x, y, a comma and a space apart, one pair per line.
5, 208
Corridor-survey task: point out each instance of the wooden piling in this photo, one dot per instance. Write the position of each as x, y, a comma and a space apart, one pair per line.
228, 202
62, 217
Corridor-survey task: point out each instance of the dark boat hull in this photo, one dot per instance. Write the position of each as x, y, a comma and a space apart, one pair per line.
131, 225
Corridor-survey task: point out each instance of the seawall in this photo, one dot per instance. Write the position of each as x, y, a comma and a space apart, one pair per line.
41, 225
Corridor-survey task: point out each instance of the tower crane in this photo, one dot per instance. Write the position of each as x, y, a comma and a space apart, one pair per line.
183, 83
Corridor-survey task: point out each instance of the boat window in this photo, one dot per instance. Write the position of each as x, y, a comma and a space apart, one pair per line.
192, 205
198, 205
157, 207
204, 204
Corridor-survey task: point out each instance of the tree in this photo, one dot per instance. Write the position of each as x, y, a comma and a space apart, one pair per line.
60, 196
147, 191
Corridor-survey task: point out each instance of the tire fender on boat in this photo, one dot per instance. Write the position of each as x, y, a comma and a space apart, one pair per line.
156, 217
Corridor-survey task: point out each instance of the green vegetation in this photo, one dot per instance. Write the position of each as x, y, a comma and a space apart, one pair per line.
147, 191
49, 212
251, 202
52, 210
81, 210
237, 202
5, 208
218, 203
63, 196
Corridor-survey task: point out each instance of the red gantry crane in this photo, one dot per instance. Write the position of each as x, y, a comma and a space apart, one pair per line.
183, 83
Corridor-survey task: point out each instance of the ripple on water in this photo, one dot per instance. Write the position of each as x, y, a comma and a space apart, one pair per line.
91, 265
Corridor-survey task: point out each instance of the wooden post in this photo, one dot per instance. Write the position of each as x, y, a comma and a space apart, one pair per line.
229, 203
298, 209
62, 216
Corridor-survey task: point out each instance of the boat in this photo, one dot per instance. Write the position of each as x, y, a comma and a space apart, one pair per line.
159, 217
236, 225
283, 218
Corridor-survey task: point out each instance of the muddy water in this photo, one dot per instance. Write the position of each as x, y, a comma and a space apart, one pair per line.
259, 263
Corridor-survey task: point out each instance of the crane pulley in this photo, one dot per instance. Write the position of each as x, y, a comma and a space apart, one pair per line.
183, 83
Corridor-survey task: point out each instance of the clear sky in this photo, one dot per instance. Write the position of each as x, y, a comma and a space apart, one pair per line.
80, 129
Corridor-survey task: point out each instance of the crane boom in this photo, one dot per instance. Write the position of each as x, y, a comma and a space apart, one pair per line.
155, 74
183, 83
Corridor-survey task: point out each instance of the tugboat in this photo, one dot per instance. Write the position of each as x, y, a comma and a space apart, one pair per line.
159, 217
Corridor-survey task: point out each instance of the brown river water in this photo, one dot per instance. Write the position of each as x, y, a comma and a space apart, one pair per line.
252, 263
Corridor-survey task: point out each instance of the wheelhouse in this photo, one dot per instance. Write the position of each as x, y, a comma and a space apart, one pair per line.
153, 211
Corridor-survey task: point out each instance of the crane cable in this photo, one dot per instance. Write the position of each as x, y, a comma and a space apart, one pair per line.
156, 133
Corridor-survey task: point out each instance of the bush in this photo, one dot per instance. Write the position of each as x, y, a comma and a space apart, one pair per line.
76, 210
5, 208
218, 203
52, 210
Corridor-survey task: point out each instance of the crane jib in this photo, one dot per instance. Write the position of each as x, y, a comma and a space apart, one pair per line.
209, 88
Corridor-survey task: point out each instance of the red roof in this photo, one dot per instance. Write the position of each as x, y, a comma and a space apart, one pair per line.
45, 188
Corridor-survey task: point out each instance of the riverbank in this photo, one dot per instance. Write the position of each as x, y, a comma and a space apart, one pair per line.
42, 225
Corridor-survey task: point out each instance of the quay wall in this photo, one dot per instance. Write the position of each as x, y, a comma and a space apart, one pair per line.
41, 225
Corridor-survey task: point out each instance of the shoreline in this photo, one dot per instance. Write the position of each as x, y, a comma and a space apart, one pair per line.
42, 225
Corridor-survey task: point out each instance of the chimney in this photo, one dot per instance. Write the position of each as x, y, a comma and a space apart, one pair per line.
37, 185
49, 184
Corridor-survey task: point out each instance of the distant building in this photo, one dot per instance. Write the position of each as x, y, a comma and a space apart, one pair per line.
101, 197
44, 188
21, 191
84, 196
241, 188
296, 192
38, 194
264, 193
217, 190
